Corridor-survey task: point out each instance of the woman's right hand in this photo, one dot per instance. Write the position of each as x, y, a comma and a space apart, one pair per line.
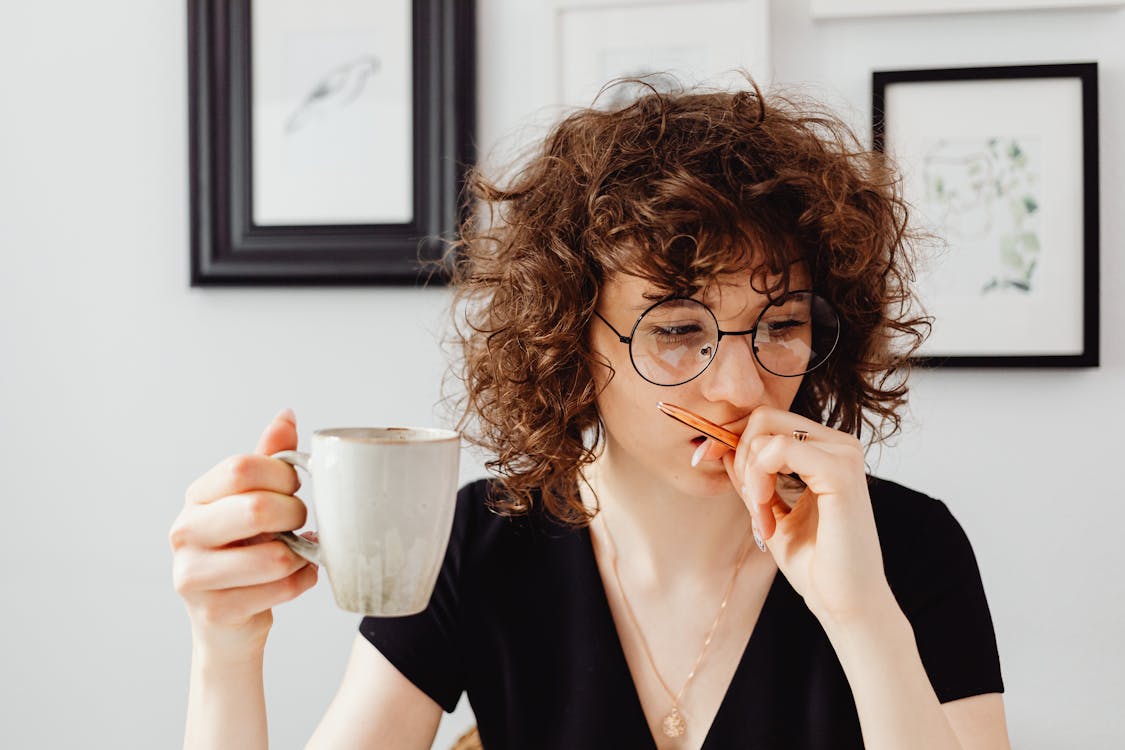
228, 566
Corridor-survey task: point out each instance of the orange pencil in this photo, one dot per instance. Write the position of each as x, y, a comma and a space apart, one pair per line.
696, 422
788, 491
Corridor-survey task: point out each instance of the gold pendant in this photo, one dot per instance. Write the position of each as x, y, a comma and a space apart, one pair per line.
674, 725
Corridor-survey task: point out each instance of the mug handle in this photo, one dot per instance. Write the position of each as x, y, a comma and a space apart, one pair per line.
303, 547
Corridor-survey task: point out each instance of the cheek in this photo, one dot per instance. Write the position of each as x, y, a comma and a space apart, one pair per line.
783, 391
612, 371
603, 362
626, 402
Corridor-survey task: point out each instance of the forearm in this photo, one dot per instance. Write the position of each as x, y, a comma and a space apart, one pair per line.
226, 705
896, 703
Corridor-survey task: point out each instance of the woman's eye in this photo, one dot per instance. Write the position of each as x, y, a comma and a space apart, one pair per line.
783, 327
675, 331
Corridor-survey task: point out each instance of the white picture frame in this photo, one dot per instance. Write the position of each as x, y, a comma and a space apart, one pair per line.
332, 114
1000, 164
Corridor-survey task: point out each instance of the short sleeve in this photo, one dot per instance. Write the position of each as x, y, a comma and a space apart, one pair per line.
952, 623
426, 647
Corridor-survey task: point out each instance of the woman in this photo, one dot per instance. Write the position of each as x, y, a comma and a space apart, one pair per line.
624, 582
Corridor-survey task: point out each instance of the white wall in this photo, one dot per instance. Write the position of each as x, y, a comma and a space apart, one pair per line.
119, 383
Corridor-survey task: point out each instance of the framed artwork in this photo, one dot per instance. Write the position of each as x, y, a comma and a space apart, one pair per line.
328, 141
825, 9
691, 41
1001, 163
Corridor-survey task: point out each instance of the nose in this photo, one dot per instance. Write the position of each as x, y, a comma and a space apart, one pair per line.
734, 376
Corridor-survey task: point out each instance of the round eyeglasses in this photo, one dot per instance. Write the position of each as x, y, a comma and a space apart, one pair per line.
676, 339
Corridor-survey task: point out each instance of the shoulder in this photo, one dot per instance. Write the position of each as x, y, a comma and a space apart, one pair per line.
512, 566
476, 505
899, 508
924, 546
484, 531
932, 571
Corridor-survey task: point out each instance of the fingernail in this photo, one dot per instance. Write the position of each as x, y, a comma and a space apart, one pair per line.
757, 537
698, 455
288, 415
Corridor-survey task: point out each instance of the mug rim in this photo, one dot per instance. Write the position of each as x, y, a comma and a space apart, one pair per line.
364, 435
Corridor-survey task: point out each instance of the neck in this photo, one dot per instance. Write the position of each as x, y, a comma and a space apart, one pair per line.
666, 538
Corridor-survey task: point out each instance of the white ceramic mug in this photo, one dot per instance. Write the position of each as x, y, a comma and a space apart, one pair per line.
383, 501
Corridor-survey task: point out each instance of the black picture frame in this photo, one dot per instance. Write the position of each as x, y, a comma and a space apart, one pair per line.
1086, 74
229, 249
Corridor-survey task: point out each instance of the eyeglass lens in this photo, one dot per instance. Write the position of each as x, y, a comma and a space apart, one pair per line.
676, 340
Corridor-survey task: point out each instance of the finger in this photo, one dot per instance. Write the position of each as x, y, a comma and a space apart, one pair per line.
831, 473
237, 517
712, 450
766, 522
772, 513
243, 473
279, 435
766, 518
759, 442
256, 539
235, 606
787, 523
742, 458
737, 476
758, 478
757, 514
198, 570
768, 420
827, 470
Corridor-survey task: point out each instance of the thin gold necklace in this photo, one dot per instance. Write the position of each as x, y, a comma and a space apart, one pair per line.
674, 724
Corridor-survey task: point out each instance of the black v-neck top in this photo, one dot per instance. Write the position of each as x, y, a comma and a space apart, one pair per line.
520, 620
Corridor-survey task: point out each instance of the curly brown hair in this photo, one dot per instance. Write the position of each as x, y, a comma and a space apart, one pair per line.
678, 187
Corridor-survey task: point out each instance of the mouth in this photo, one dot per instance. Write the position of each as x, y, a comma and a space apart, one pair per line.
698, 440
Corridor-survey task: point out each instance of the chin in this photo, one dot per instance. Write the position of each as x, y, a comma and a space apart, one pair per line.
706, 480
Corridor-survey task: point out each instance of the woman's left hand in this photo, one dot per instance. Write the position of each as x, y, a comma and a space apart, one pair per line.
827, 544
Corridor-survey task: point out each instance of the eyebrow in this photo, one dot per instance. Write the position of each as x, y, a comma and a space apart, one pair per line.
709, 299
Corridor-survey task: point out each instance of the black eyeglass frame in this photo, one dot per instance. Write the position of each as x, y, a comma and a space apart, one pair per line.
752, 331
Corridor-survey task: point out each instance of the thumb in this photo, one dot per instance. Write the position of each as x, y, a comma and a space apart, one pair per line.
279, 435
